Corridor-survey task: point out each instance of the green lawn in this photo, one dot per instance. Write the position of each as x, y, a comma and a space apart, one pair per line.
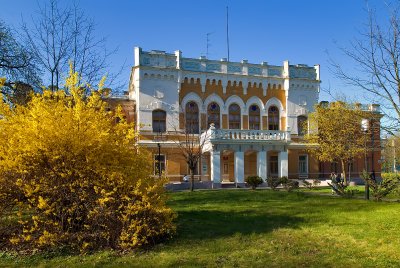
262, 228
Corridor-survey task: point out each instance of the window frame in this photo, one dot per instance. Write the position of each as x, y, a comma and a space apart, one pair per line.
194, 128
159, 121
163, 164
252, 123
303, 164
234, 123
276, 125
215, 114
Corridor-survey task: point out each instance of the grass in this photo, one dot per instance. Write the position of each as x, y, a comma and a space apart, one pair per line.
262, 228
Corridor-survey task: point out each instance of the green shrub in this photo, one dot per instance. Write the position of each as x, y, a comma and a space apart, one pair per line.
308, 185
254, 181
288, 184
380, 189
273, 182
316, 182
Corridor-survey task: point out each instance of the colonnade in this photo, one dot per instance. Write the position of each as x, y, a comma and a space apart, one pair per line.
262, 165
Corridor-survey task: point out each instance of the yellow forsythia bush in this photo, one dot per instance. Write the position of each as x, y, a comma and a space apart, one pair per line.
71, 177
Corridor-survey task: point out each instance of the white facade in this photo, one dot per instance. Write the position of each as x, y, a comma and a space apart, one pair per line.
156, 83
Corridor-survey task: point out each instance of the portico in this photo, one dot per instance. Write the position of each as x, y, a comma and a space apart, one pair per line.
232, 147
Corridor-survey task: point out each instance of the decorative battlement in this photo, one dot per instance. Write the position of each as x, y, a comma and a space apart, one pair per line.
161, 59
374, 108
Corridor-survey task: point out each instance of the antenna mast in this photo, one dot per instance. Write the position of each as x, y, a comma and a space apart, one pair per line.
208, 43
227, 30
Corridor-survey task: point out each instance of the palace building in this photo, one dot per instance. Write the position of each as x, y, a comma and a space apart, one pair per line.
250, 116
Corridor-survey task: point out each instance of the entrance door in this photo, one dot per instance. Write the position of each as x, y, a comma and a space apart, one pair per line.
273, 166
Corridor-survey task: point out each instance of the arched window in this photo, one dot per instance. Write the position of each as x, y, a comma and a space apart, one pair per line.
234, 116
254, 117
159, 121
301, 128
192, 117
273, 118
213, 115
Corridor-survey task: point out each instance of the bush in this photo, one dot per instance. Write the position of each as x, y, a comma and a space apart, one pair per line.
380, 189
316, 182
254, 181
77, 179
308, 185
288, 184
273, 182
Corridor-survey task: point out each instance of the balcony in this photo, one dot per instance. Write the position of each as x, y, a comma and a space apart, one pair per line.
213, 135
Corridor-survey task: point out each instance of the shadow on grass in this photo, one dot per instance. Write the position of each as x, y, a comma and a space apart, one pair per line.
211, 214
209, 224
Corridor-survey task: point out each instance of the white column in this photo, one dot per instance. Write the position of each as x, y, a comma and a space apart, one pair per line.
283, 164
262, 164
239, 167
215, 169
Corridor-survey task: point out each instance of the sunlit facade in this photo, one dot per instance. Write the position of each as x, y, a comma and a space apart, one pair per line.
251, 115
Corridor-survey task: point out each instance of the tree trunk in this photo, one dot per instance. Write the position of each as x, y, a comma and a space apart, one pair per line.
191, 179
344, 171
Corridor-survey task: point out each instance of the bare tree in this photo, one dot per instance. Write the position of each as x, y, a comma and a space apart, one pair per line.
376, 54
18, 67
60, 35
191, 142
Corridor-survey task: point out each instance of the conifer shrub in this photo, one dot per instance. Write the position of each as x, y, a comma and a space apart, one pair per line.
380, 188
254, 181
273, 183
71, 177
289, 184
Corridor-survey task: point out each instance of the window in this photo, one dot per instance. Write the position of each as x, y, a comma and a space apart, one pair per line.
303, 165
254, 117
301, 130
159, 164
213, 115
273, 118
192, 118
159, 121
273, 165
234, 116
334, 167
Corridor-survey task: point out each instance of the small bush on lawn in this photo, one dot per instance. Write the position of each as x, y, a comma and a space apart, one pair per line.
308, 185
254, 181
380, 189
77, 179
312, 185
288, 184
273, 183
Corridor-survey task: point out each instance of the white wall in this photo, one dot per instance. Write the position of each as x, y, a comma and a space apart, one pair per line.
301, 100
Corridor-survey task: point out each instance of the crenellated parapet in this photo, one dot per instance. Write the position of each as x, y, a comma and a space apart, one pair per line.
161, 59
169, 81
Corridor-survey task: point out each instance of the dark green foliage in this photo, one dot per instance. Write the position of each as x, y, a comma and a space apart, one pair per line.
307, 184
289, 185
273, 182
316, 182
254, 181
381, 188
312, 185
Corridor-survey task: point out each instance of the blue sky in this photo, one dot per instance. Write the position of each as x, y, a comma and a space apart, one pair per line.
273, 31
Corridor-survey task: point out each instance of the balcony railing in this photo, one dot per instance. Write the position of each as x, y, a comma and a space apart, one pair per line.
240, 135
256, 135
